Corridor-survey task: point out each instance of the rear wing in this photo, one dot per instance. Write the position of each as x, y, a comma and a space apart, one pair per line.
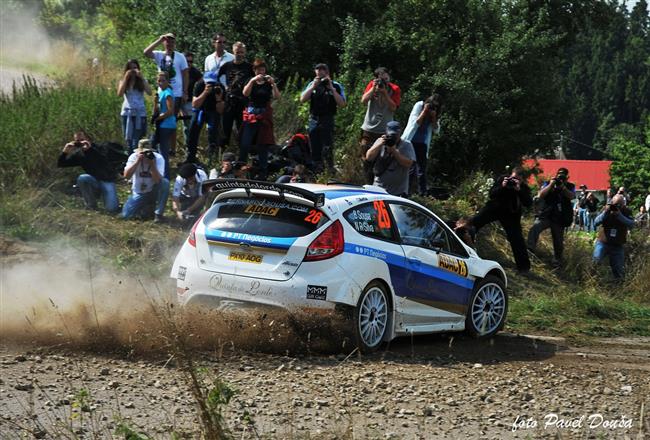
217, 186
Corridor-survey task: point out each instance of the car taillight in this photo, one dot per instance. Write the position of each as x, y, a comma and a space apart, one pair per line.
191, 239
328, 244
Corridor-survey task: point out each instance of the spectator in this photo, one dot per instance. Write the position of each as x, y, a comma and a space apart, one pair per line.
175, 64
581, 209
219, 57
616, 220
324, 96
187, 195
194, 75
647, 202
257, 126
392, 157
642, 219
132, 87
149, 188
591, 204
98, 178
227, 170
164, 119
208, 105
298, 175
423, 122
382, 98
508, 196
556, 212
623, 192
237, 73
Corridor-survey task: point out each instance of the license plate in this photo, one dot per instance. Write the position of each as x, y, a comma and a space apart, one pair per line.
245, 257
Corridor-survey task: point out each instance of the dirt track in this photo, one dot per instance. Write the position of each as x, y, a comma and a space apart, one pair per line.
428, 387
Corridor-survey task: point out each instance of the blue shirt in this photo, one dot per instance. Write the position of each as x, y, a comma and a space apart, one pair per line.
169, 122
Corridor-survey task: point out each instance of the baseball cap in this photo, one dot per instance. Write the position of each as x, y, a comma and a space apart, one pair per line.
187, 170
393, 127
210, 77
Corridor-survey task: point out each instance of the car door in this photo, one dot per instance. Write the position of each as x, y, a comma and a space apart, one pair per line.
438, 284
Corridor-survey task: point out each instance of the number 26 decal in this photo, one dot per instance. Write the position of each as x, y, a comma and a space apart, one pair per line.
383, 219
314, 216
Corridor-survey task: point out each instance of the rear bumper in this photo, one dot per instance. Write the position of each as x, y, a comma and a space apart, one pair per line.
315, 286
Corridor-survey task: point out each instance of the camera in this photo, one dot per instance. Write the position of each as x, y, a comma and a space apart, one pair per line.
78, 144
560, 180
612, 207
325, 82
511, 182
267, 78
148, 154
381, 83
390, 141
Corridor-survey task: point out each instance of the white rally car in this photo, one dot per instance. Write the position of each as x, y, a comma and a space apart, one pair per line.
394, 263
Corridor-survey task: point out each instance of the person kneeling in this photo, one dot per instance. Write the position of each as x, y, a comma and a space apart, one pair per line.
150, 188
187, 197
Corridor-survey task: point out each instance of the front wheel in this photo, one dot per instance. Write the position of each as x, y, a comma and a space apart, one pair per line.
487, 309
371, 317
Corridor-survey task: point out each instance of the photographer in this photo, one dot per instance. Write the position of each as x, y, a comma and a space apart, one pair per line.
423, 123
187, 195
132, 87
580, 211
257, 125
556, 212
231, 168
208, 105
616, 220
298, 174
508, 196
324, 96
237, 74
99, 177
392, 157
149, 189
591, 204
382, 98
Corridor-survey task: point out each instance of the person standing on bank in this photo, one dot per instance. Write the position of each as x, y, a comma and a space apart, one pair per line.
382, 98
175, 64
556, 212
324, 96
423, 123
392, 158
132, 87
164, 119
257, 126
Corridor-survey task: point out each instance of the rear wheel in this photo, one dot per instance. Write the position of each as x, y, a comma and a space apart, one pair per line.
371, 317
487, 309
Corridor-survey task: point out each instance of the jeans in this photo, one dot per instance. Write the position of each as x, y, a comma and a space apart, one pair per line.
199, 118
187, 111
91, 188
162, 141
135, 134
616, 257
232, 114
557, 232
249, 132
142, 205
419, 170
321, 136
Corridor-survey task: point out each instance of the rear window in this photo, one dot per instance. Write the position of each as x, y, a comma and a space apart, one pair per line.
271, 218
371, 219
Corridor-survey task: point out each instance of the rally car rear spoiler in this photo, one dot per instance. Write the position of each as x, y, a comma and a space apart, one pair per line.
221, 185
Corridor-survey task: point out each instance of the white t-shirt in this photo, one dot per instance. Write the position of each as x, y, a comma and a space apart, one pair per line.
647, 203
164, 62
179, 183
142, 178
213, 63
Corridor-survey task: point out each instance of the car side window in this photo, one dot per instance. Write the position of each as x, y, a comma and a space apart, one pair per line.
371, 219
416, 228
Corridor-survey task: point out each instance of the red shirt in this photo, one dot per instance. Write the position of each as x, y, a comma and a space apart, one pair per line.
397, 93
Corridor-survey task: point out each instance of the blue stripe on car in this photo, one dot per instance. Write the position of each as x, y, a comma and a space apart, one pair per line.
252, 239
426, 281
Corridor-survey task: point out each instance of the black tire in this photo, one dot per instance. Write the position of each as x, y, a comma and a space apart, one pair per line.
487, 309
372, 317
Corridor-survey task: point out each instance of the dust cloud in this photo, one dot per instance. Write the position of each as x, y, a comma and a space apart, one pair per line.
22, 38
52, 298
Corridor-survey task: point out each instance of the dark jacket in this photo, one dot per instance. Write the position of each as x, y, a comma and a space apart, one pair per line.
92, 161
614, 226
509, 201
